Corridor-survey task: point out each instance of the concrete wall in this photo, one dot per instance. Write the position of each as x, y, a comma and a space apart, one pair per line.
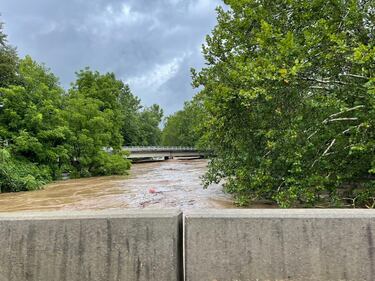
220, 245
293, 245
94, 246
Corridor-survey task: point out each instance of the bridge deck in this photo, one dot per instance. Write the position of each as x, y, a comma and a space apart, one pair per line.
159, 148
137, 152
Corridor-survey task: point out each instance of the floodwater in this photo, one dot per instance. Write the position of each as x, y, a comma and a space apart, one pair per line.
167, 184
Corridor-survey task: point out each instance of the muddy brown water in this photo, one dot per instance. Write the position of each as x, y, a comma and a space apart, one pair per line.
167, 184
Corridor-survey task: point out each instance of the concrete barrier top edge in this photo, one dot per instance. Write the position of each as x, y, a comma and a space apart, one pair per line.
91, 214
201, 213
280, 213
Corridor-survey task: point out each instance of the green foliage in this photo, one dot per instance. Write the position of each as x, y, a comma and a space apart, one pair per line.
289, 89
94, 114
140, 125
3, 37
110, 164
130, 106
18, 175
184, 128
31, 118
149, 120
8, 62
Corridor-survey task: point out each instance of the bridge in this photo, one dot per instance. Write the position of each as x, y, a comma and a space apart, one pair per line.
162, 152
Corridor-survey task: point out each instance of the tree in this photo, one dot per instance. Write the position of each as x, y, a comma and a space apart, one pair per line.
8, 61
149, 120
184, 128
94, 115
130, 106
31, 117
106, 90
289, 91
3, 37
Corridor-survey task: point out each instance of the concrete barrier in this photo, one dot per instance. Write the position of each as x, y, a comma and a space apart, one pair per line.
220, 245
92, 246
293, 245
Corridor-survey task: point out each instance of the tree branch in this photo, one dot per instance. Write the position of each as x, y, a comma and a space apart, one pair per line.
355, 76
329, 147
314, 133
346, 110
325, 153
320, 88
324, 81
342, 119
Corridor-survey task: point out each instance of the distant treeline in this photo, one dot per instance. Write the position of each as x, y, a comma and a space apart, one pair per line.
186, 126
287, 103
46, 131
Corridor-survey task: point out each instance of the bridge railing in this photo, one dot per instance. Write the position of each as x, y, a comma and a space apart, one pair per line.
159, 148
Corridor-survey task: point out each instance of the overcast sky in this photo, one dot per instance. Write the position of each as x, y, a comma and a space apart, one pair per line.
149, 44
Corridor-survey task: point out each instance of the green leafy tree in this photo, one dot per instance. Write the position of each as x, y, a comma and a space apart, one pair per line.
149, 120
184, 128
94, 115
8, 61
106, 90
140, 125
130, 106
3, 37
31, 117
289, 91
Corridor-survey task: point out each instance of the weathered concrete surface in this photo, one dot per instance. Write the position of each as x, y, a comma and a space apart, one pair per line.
92, 246
293, 245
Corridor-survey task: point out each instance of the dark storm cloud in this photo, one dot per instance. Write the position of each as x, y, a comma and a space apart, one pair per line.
150, 44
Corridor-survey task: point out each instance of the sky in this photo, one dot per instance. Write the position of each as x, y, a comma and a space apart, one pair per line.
149, 44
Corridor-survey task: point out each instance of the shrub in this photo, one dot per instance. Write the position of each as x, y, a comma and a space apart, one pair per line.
110, 164
17, 175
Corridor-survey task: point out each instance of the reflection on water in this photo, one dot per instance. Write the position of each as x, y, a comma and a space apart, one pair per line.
169, 184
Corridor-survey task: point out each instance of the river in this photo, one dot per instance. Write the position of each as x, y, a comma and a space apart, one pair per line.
167, 184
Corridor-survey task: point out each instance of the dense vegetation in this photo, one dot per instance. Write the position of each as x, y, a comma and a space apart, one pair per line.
185, 127
46, 131
289, 94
